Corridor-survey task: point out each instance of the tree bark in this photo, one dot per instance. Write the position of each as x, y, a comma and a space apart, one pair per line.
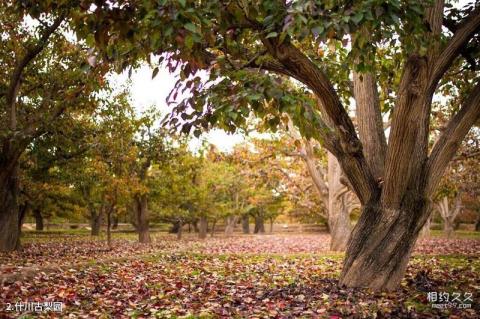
179, 230
142, 219
115, 222
212, 231
381, 243
370, 124
259, 224
38, 219
245, 224
96, 221
449, 214
109, 226
230, 225
338, 213
202, 227
425, 232
9, 210
195, 226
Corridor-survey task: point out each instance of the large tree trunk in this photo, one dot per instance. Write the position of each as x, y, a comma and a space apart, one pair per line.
259, 224
230, 225
338, 212
245, 224
202, 227
142, 219
381, 243
9, 211
38, 219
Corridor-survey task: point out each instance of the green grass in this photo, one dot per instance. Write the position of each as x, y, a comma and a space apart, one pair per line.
462, 234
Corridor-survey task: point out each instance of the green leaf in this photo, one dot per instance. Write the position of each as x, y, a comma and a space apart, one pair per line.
191, 27
182, 3
357, 18
271, 35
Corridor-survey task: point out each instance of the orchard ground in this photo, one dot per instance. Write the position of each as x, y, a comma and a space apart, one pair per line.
254, 276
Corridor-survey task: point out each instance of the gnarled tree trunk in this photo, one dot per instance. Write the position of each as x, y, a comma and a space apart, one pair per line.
381, 244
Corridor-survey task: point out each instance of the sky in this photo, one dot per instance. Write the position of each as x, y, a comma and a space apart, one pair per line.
146, 92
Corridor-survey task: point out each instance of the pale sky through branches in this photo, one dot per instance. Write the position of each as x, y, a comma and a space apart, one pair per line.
146, 92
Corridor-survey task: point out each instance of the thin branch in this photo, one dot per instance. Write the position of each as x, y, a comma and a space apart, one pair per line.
457, 43
15, 79
451, 138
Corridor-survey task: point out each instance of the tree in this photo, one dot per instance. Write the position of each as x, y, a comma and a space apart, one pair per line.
42, 79
329, 181
247, 45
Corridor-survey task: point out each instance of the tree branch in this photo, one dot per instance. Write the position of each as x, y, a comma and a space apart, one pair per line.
451, 138
15, 79
457, 43
350, 155
370, 123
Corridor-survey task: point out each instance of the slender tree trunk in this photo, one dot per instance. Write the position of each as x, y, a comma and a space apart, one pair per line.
448, 228
425, 232
477, 224
132, 212
21, 216
142, 219
271, 224
180, 230
212, 232
109, 226
338, 213
9, 210
230, 227
202, 227
175, 227
96, 221
195, 226
245, 224
259, 224
115, 222
38, 219
449, 214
